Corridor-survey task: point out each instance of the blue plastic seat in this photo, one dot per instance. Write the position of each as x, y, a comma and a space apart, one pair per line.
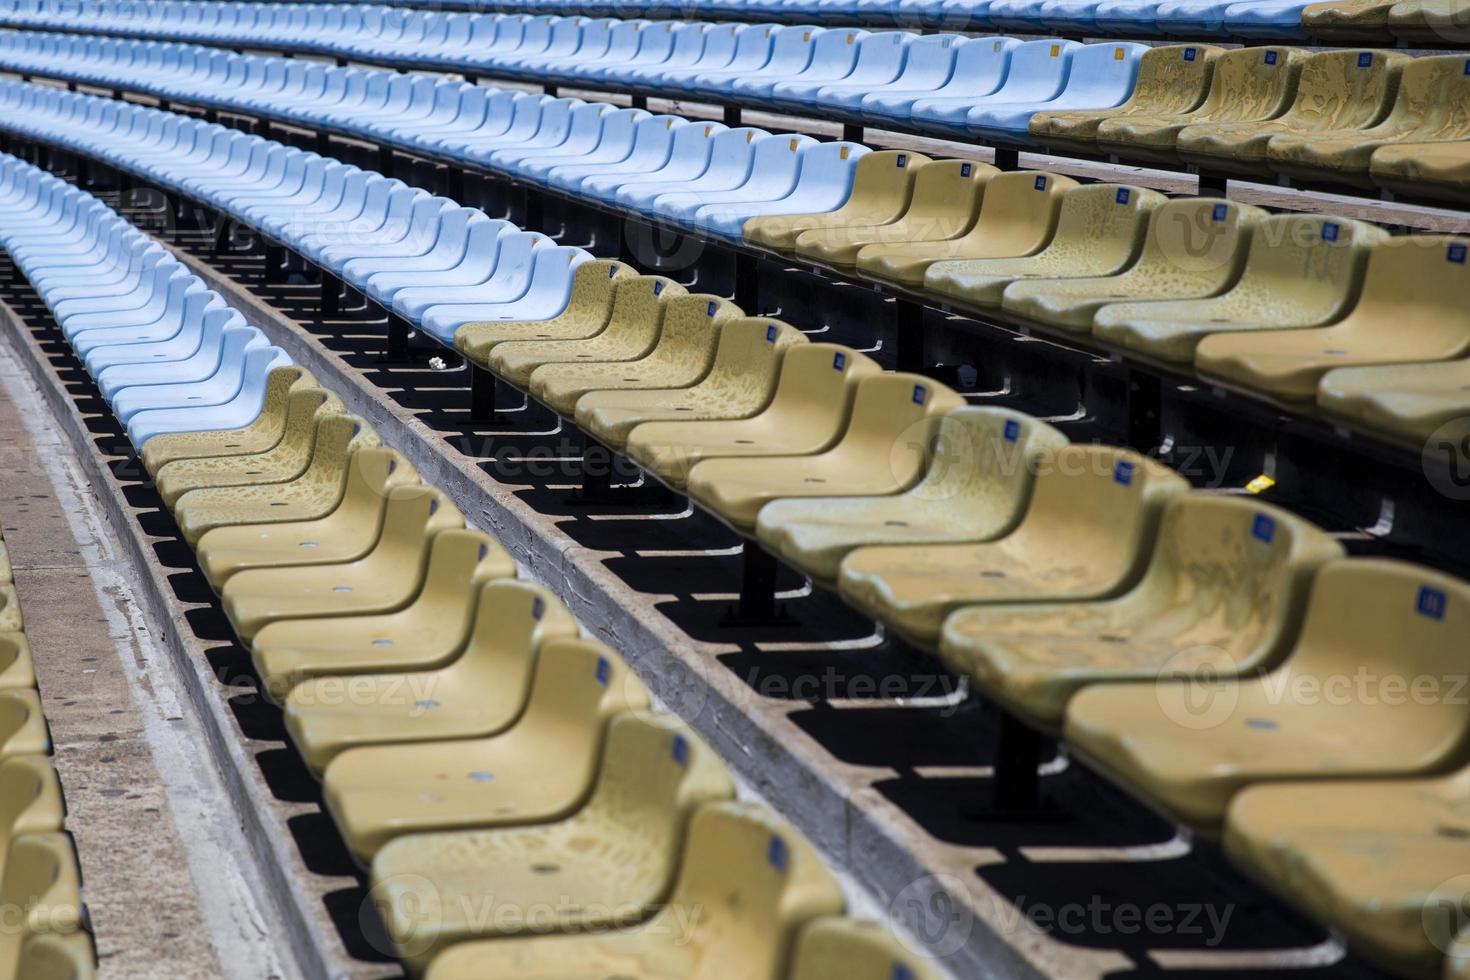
833, 54
752, 168
537, 293
240, 408
1273, 19
880, 61
689, 159
489, 268
824, 182
648, 150
1100, 76
780, 53
608, 142
567, 127
1033, 71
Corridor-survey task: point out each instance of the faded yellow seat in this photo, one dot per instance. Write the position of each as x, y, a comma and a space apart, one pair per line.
385, 580
257, 437
882, 187
22, 725
1172, 79
682, 356
839, 948
283, 462
1300, 271
1424, 170
976, 482
1100, 231
475, 693
740, 383
41, 893
1411, 308
313, 495
1195, 248
541, 769
1336, 91
945, 202
747, 883
347, 533
609, 865
806, 415
880, 451
1434, 23
1348, 21
1223, 590
1087, 534
1433, 103
630, 332
1017, 217
16, 669
11, 620
53, 956
1189, 744
30, 800
1404, 403
1370, 858
587, 311
1246, 85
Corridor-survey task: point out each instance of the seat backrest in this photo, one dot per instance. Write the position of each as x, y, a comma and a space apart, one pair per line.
20, 718
839, 948
30, 799
1174, 78
58, 956
1202, 238
1414, 288
1311, 261
1104, 71
749, 355
1252, 83
883, 184
691, 329
1345, 89
896, 416
41, 887
946, 198
1433, 98
1106, 222
1019, 210
1037, 71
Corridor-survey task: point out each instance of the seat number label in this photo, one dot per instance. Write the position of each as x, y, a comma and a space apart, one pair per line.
1263, 528
1123, 473
1431, 602
1122, 196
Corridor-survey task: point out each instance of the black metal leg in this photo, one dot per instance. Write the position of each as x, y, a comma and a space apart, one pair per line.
331, 302
454, 183
483, 389
385, 161
398, 330
732, 115
596, 471
640, 102
550, 89
1212, 184
1017, 779
757, 585
1145, 401
852, 132
1007, 159
908, 335
747, 282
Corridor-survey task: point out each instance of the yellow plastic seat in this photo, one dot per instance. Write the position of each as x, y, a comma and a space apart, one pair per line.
1224, 590
1246, 85
1087, 534
1433, 23
1348, 21
313, 495
883, 183
976, 482
945, 202
1300, 271
806, 415
1100, 231
630, 332
1367, 857
1195, 248
1403, 403
594, 285
283, 462
1432, 104
1172, 80
30, 800
345, 534
385, 580
881, 450
1423, 170
740, 382
1411, 309
257, 437
747, 884
1336, 91
53, 956
478, 693
682, 356
1188, 744
23, 728
16, 669
541, 769
839, 948
40, 891
1018, 214
607, 866
10, 616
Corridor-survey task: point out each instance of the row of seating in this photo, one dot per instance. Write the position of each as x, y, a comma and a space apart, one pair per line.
46, 935
338, 569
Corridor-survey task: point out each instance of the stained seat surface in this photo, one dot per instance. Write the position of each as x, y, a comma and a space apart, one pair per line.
882, 185
259, 435
1403, 403
1347, 21
41, 885
1439, 171
593, 287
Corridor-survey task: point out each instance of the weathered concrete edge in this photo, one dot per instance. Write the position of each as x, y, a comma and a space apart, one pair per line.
312, 950
859, 831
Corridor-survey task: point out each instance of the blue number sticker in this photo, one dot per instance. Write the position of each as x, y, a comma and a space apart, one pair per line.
903, 158
658, 287
839, 361
1467, 66
901, 972
1431, 602
1040, 183
538, 608
1365, 59
1270, 57
776, 854
612, 271
1329, 231
1456, 253
1217, 213
965, 169
919, 394
770, 333
710, 309
1012, 430
1263, 528
603, 670
1189, 54
1123, 472
1122, 196
680, 750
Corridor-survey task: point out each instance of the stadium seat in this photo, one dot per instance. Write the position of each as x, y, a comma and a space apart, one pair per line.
1104, 501
836, 948
1035, 71
1409, 310
1347, 21
256, 437
1246, 85
1430, 106
475, 691
1172, 79
1018, 213
41, 887
754, 879
944, 203
883, 185
1100, 231
687, 338
1336, 91
1402, 403
345, 534
740, 382
807, 414
540, 769
1223, 591
975, 488
1300, 271
23, 728
30, 799
849, 71
593, 286
1100, 76
978, 67
57, 956
1195, 248
609, 865
1429, 171
1189, 745
16, 670
1434, 23
893, 418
